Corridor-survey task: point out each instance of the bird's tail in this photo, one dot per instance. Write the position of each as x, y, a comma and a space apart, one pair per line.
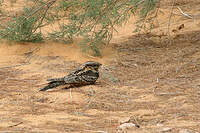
52, 84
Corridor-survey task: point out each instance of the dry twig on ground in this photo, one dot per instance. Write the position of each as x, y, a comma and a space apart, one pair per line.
28, 56
184, 14
16, 124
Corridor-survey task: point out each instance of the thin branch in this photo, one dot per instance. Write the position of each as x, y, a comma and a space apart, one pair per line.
38, 9
41, 7
48, 6
184, 14
16, 124
31, 51
27, 59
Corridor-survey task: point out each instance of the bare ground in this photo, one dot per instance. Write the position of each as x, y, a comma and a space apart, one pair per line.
145, 79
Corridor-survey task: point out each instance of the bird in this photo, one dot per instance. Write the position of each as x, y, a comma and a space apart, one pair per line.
86, 74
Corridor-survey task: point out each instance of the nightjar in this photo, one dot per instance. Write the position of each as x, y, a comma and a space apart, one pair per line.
86, 74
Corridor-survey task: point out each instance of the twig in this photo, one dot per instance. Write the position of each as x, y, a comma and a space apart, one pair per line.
41, 7
137, 125
154, 89
90, 100
38, 9
48, 6
27, 62
16, 124
162, 93
27, 59
31, 51
184, 14
169, 22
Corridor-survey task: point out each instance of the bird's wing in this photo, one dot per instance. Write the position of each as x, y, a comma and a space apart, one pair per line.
55, 79
71, 74
72, 80
83, 77
75, 72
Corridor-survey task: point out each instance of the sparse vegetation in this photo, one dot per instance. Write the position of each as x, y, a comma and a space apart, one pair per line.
144, 80
93, 21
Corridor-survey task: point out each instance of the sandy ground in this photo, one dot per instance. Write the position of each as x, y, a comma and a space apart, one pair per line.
144, 80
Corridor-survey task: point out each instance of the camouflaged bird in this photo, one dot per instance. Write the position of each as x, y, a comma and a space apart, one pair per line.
86, 74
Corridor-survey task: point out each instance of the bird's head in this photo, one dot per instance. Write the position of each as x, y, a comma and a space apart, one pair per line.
91, 65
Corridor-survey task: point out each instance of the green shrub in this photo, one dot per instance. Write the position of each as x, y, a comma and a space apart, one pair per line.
92, 20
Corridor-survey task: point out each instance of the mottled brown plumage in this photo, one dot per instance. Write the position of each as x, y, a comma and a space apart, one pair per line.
86, 74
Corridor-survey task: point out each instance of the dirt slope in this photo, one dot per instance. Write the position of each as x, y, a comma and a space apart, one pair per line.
144, 79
